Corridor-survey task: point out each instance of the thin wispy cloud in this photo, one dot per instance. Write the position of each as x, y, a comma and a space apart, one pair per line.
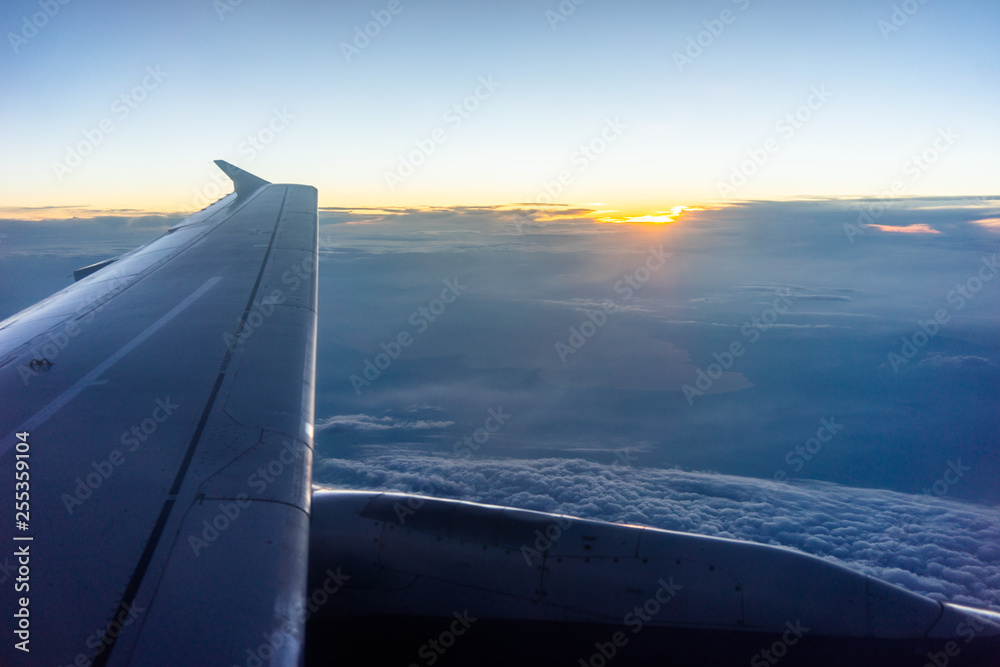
362, 422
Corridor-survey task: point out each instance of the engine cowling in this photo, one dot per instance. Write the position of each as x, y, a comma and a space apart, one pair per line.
580, 591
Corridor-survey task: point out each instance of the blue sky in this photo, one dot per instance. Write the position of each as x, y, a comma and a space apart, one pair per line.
440, 149
278, 72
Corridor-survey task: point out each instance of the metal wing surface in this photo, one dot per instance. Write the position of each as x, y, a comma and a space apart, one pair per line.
165, 410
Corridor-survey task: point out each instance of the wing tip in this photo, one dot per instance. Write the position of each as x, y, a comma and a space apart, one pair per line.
243, 181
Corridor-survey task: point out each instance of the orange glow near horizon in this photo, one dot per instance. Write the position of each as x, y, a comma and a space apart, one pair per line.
988, 222
373, 214
908, 229
33, 213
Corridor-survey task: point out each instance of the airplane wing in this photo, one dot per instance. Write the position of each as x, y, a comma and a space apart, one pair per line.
158, 416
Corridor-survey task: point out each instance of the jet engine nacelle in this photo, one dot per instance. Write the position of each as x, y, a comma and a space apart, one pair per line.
427, 581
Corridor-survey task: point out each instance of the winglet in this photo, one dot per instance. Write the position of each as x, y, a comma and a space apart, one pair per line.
244, 182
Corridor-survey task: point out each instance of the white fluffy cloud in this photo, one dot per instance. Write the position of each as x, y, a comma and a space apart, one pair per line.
942, 548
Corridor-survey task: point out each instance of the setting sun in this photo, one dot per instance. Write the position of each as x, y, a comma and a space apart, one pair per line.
657, 218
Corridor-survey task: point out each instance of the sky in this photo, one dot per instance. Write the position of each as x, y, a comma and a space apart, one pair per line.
639, 106
791, 337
